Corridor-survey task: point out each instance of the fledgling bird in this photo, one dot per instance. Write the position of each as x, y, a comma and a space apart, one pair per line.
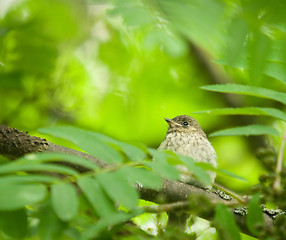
185, 136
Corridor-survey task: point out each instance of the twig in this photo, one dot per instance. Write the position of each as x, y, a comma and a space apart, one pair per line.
166, 207
231, 193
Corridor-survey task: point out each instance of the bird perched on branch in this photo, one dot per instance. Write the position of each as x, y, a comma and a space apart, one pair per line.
185, 136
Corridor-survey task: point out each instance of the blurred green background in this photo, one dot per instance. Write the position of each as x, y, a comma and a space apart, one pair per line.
120, 67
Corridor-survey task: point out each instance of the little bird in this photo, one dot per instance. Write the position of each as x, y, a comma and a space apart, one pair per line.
185, 136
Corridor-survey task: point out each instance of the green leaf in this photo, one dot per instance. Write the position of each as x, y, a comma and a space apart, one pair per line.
133, 15
118, 189
247, 111
133, 153
56, 157
272, 68
15, 167
237, 34
172, 44
173, 158
259, 48
85, 140
50, 226
178, 159
165, 170
161, 166
96, 196
225, 172
255, 214
14, 223
248, 90
94, 230
17, 195
195, 19
73, 233
247, 131
141, 175
276, 70
35, 178
64, 200
196, 170
277, 51
225, 224
206, 166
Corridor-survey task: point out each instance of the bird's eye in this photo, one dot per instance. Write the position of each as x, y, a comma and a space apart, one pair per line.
185, 124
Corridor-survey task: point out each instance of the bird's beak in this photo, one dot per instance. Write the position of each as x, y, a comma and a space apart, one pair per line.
168, 120
171, 122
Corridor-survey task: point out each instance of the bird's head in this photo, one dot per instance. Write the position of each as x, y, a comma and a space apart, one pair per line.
184, 124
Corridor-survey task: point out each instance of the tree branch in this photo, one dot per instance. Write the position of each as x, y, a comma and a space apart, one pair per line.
14, 144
